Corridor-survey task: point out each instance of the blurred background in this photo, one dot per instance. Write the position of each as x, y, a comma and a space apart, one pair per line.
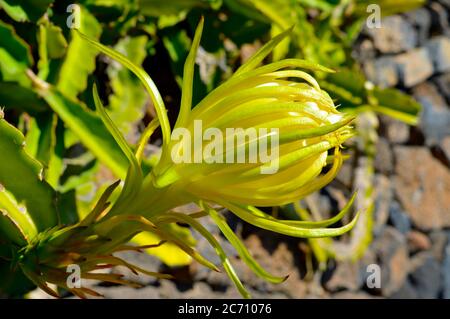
393, 63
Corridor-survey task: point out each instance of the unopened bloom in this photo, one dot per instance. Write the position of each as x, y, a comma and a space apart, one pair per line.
262, 138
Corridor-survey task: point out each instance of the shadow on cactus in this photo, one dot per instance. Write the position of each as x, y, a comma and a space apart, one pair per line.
278, 95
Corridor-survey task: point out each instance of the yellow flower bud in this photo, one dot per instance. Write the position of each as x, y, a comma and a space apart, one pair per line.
261, 138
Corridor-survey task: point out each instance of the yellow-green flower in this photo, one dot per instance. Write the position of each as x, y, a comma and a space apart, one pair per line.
282, 101
278, 119
293, 122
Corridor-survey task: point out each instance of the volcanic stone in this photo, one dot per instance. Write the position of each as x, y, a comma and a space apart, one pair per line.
422, 185
439, 49
414, 66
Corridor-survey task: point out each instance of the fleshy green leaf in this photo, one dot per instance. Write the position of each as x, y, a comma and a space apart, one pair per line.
15, 56
145, 137
146, 80
156, 8
90, 130
26, 10
15, 225
253, 216
14, 283
44, 141
21, 175
52, 45
388, 7
108, 3
55, 166
244, 7
15, 96
55, 42
282, 49
128, 100
188, 77
397, 104
351, 81
134, 177
41, 137
259, 56
80, 58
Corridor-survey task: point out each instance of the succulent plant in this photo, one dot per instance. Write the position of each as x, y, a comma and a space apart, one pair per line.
285, 102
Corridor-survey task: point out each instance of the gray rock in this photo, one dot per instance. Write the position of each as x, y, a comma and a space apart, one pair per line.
443, 83
445, 146
365, 51
382, 72
426, 275
422, 185
201, 290
439, 50
199, 272
384, 161
399, 218
446, 270
345, 175
407, 291
395, 35
418, 241
345, 277
352, 295
440, 19
168, 290
392, 253
445, 3
439, 240
435, 115
218, 280
319, 205
383, 196
122, 292
276, 257
424, 280
207, 251
397, 132
264, 295
421, 19
368, 258
414, 66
